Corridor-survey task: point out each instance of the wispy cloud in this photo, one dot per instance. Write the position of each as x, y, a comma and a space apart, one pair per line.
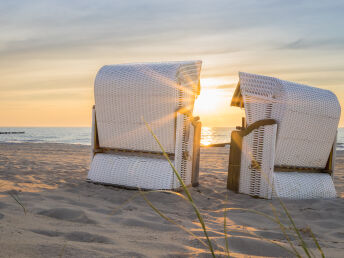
329, 43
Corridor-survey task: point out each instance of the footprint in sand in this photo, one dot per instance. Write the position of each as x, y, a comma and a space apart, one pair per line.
68, 215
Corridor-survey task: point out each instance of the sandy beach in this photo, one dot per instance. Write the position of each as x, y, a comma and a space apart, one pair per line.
68, 217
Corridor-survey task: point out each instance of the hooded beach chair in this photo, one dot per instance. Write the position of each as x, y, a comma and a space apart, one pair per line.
126, 98
286, 147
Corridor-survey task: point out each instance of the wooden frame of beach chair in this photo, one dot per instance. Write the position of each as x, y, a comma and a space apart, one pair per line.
184, 153
270, 157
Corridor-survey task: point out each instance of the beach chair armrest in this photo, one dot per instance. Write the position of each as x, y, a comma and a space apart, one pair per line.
188, 144
94, 134
197, 127
245, 160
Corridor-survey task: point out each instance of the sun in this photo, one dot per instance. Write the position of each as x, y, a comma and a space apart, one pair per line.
208, 101
213, 97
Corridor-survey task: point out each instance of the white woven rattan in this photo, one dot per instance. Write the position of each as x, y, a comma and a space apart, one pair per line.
307, 120
124, 94
259, 146
160, 94
132, 171
294, 185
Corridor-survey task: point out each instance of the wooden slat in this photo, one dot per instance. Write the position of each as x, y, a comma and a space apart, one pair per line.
234, 161
196, 153
94, 140
299, 169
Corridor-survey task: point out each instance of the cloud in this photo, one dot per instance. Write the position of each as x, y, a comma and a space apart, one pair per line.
332, 43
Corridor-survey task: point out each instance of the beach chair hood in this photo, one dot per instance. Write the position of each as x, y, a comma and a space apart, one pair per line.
127, 96
302, 138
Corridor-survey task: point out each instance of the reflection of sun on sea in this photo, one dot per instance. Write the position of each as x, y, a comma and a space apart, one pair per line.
207, 136
212, 104
207, 104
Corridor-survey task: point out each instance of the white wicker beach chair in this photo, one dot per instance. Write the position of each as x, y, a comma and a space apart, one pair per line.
287, 148
124, 151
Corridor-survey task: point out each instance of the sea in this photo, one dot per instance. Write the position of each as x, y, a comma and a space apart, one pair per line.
82, 135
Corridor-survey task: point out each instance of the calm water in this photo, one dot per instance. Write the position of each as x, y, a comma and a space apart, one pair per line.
82, 135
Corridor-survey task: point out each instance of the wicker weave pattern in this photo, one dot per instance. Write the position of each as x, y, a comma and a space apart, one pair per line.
258, 146
293, 185
131, 171
159, 92
307, 123
307, 117
126, 93
188, 158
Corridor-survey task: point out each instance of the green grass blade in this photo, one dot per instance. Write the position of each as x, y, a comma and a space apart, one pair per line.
317, 244
302, 242
271, 241
16, 198
283, 229
199, 216
150, 204
225, 226
125, 203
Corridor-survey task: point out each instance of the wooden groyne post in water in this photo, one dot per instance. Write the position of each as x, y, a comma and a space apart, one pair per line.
12, 132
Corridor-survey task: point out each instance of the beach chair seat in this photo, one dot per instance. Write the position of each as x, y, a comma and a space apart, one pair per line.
124, 153
286, 145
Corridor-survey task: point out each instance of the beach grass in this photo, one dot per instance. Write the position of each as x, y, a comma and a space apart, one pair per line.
275, 219
16, 198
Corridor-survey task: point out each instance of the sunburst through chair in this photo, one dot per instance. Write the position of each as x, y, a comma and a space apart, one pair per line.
286, 147
124, 153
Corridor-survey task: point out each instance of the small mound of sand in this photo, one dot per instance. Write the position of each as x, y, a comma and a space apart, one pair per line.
48, 233
79, 236
68, 215
257, 247
76, 236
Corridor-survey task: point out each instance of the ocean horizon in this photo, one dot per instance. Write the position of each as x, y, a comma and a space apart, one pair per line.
82, 135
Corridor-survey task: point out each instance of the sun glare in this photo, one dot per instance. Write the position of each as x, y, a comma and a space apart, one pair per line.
218, 81
208, 101
214, 94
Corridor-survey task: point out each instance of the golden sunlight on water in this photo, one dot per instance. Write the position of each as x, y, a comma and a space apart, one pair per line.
213, 104
207, 136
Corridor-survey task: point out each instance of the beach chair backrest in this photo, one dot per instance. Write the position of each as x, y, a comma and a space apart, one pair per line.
307, 118
129, 94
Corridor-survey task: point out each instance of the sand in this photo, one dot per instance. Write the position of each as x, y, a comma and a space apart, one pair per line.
68, 217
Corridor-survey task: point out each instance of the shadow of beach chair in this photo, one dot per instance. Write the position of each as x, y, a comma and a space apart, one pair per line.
287, 149
124, 151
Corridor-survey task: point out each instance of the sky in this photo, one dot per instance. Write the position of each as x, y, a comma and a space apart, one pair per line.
50, 51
